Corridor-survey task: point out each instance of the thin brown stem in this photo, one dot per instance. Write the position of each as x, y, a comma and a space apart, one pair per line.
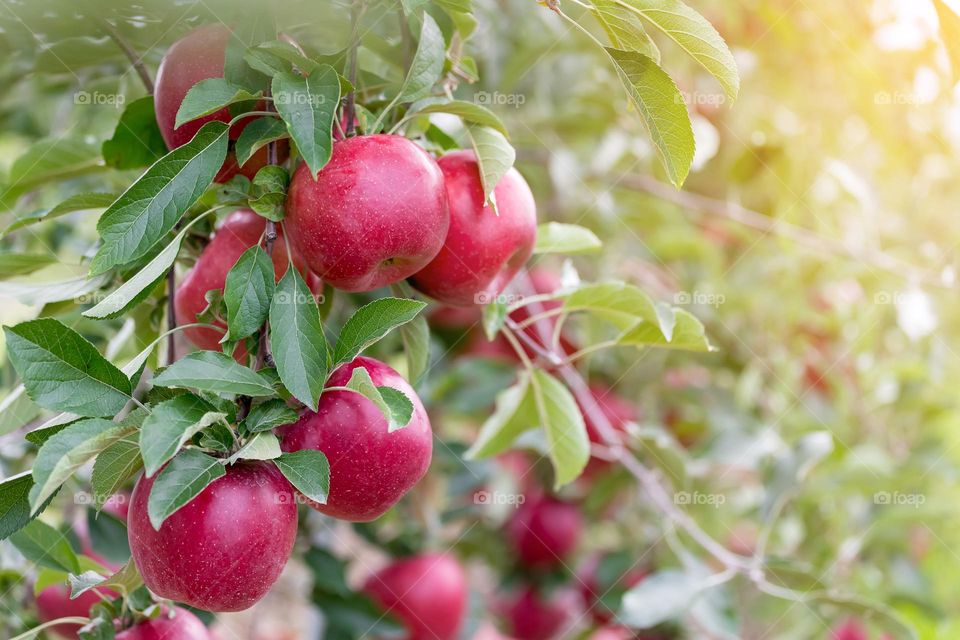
135, 60
350, 109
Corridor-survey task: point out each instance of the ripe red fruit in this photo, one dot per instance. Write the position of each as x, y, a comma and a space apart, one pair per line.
427, 593
226, 547
200, 56
852, 629
376, 214
54, 602
241, 230
370, 468
544, 531
483, 251
534, 615
181, 625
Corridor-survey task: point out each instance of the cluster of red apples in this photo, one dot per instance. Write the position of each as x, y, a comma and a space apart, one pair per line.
381, 211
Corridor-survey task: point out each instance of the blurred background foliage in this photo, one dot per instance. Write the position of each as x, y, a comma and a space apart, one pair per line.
815, 238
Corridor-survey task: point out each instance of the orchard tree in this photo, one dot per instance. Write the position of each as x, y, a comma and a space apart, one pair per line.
304, 304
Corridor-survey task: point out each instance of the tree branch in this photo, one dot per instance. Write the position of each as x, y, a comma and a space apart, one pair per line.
135, 60
760, 222
647, 478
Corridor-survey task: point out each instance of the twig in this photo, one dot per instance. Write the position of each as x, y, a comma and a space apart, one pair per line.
135, 60
350, 110
648, 478
756, 220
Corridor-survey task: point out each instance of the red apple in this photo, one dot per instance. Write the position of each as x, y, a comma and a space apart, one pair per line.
370, 468
852, 629
544, 531
226, 547
596, 583
534, 615
179, 624
427, 593
200, 56
54, 602
241, 230
376, 214
483, 251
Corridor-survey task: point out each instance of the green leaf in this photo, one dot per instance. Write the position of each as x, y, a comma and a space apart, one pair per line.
267, 415
568, 445
170, 425
151, 206
515, 413
695, 35
215, 372
625, 28
16, 410
276, 56
45, 546
297, 341
180, 482
268, 193
48, 161
662, 108
660, 597
108, 536
308, 471
249, 288
392, 403
34, 292
18, 264
262, 446
427, 64
495, 157
65, 452
687, 333
399, 408
135, 289
372, 322
15, 503
209, 96
556, 237
124, 581
308, 106
62, 371
494, 317
613, 299
78, 202
115, 467
416, 345
137, 141
468, 112
258, 134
